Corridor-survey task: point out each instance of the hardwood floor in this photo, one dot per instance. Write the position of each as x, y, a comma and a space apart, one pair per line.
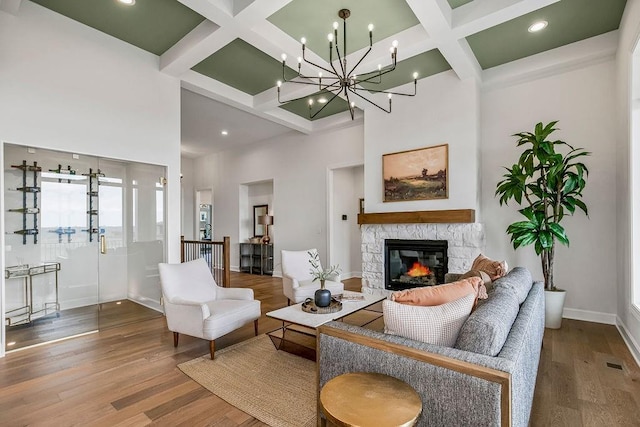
127, 376
75, 321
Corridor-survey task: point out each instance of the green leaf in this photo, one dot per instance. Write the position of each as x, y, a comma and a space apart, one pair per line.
558, 231
581, 205
546, 239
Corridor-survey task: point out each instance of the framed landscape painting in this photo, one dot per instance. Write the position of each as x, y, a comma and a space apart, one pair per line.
420, 174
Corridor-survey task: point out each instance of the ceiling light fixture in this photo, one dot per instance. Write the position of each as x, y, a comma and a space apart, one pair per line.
128, 2
344, 80
224, 132
538, 26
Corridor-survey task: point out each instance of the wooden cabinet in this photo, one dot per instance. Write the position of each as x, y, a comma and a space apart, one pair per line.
256, 258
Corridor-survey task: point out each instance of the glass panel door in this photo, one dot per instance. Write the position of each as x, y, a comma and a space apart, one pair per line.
51, 280
131, 219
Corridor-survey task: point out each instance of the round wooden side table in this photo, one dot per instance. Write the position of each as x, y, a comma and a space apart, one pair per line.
369, 399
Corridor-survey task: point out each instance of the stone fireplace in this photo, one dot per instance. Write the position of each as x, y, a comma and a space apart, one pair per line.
465, 240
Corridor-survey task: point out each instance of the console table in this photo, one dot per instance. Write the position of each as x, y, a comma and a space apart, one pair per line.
26, 313
256, 258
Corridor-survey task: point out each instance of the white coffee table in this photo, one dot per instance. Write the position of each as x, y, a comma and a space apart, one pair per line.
296, 320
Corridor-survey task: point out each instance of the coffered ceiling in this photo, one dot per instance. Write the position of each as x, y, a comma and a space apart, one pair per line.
230, 50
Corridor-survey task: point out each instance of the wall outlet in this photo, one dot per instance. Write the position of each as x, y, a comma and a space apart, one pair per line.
344, 217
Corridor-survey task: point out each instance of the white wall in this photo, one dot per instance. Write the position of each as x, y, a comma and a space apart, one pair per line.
446, 110
68, 87
628, 316
347, 187
297, 165
584, 103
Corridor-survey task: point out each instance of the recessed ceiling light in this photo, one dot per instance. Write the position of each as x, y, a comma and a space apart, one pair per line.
128, 2
224, 132
538, 26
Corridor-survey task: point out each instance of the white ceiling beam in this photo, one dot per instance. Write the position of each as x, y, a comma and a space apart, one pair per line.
197, 45
10, 6
218, 11
288, 119
258, 10
338, 121
435, 17
478, 15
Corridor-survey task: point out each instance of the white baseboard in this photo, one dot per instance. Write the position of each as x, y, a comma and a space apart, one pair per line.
589, 316
631, 343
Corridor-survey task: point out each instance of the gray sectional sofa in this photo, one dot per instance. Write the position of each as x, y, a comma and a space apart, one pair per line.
486, 379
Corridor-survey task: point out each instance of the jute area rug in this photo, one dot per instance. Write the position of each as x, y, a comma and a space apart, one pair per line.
275, 387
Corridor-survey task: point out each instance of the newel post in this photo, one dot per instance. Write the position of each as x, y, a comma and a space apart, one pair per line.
226, 253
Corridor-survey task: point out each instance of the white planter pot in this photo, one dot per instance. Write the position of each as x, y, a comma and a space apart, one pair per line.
554, 304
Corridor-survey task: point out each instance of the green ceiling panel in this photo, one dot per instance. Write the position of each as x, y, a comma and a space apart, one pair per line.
458, 3
313, 20
152, 25
426, 64
569, 21
243, 67
301, 106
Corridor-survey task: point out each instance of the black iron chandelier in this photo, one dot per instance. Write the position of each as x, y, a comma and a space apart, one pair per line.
343, 80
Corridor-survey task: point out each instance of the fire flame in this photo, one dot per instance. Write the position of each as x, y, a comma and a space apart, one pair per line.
418, 270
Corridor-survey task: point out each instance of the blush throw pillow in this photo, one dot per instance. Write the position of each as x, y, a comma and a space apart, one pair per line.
495, 269
437, 325
441, 294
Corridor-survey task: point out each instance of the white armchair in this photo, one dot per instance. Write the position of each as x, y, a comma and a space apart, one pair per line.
195, 305
297, 281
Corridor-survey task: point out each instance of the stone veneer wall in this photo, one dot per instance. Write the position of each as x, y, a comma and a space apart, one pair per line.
466, 241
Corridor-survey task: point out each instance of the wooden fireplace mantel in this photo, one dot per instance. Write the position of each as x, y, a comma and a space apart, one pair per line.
452, 216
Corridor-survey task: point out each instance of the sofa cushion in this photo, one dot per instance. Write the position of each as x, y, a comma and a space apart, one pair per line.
438, 324
494, 269
487, 328
518, 281
441, 294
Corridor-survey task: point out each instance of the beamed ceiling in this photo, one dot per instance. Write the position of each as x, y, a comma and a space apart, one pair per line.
229, 50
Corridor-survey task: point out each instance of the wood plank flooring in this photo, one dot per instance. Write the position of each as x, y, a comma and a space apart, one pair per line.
77, 321
127, 376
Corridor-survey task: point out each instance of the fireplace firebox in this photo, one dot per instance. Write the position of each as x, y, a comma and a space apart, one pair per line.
414, 263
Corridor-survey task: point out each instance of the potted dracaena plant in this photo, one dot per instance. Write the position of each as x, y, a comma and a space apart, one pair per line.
548, 180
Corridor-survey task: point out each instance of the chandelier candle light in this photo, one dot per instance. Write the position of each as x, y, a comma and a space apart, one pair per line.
344, 81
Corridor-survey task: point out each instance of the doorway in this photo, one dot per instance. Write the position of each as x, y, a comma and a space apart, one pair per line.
204, 214
346, 190
84, 238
